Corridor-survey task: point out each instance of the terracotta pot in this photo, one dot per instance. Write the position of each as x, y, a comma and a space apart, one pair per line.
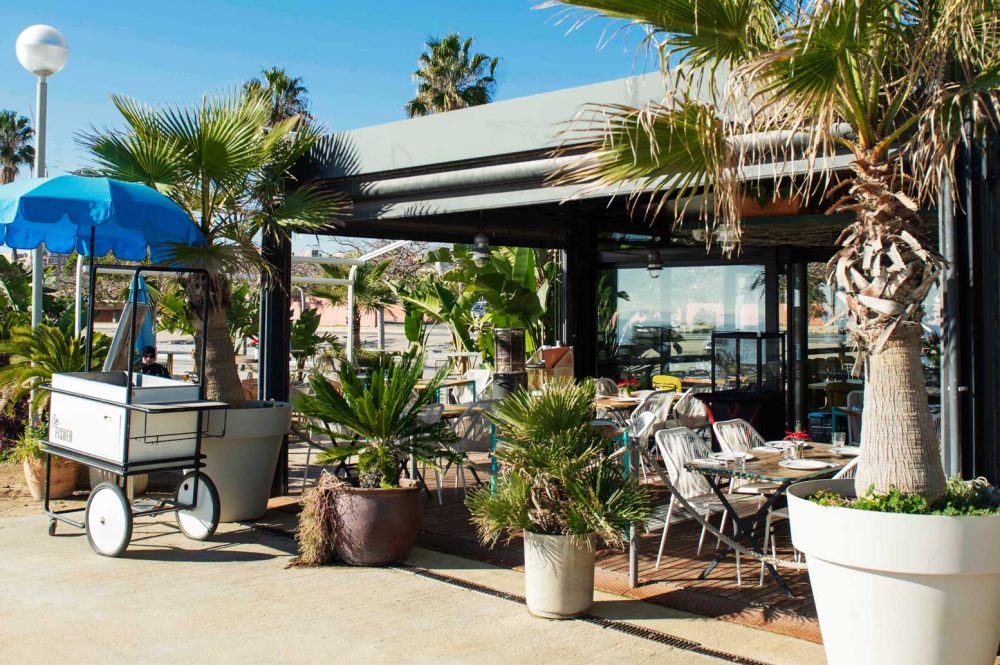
374, 527
62, 483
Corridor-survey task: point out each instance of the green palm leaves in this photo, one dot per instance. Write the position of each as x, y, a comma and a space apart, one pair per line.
557, 475
384, 414
38, 353
451, 77
226, 163
15, 145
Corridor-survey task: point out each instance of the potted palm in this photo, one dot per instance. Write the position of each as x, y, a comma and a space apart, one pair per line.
27, 451
228, 161
373, 518
561, 490
876, 98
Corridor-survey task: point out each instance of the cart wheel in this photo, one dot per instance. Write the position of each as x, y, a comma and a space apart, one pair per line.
200, 520
108, 519
52, 526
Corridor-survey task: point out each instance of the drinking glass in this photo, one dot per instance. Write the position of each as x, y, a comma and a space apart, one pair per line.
838, 438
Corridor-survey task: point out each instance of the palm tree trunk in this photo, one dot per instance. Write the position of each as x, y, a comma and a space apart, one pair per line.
220, 372
899, 447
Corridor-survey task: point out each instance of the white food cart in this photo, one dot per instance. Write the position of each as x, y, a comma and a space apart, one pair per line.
128, 423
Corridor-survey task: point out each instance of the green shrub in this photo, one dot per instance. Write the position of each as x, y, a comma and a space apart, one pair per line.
28, 446
961, 498
558, 476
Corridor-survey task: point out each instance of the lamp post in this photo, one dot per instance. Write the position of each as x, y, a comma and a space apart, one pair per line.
43, 51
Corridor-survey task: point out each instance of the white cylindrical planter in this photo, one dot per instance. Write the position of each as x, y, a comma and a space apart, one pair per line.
558, 575
892, 588
242, 463
137, 485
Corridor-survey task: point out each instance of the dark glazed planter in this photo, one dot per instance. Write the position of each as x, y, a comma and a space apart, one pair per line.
374, 527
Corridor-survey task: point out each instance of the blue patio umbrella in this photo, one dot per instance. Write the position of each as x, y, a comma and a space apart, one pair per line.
94, 216
71, 213
145, 336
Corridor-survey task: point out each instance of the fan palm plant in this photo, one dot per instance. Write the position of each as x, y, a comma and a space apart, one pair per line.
306, 340
38, 353
875, 96
450, 77
557, 475
372, 292
230, 168
384, 413
16, 150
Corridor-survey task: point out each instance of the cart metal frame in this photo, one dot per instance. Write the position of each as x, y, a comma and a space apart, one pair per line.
127, 469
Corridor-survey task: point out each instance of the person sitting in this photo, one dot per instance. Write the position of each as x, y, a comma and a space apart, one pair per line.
148, 364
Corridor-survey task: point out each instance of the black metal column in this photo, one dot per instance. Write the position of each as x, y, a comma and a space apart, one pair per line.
274, 337
798, 341
580, 283
979, 186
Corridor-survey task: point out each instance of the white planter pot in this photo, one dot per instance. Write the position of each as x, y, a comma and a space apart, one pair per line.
136, 484
891, 588
242, 463
558, 575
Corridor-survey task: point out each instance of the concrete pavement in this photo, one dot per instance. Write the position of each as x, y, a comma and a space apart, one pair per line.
233, 600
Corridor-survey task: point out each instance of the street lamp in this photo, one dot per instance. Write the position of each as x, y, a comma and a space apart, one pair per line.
43, 51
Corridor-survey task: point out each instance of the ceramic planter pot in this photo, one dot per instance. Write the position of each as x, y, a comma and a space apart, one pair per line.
558, 575
893, 589
242, 463
137, 485
374, 526
62, 482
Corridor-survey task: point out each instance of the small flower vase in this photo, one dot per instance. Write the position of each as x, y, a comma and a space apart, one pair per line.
626, 392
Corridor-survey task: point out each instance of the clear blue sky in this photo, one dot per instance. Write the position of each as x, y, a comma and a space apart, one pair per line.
355, 58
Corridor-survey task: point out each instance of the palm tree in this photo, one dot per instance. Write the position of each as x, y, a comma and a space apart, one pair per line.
372, 292
286, 94
16, 149
38, 353
894, 87
449, 77
229, 167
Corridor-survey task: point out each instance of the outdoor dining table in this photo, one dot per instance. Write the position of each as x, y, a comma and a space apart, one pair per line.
764, 467
448, 384
617, 407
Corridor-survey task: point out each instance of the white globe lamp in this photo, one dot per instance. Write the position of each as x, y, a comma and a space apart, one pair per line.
42, 50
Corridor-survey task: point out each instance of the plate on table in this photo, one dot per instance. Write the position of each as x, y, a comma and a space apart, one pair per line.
803, 464
767, 449
846, 451
731, 457
710, 461
622, 398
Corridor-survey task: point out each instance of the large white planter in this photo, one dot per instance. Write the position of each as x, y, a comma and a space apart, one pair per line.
558, 575
891, 588
242, 463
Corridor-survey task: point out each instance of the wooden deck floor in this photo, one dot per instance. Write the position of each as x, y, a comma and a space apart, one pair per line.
675, 583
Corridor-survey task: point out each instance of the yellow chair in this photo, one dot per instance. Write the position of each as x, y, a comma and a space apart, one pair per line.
667, 382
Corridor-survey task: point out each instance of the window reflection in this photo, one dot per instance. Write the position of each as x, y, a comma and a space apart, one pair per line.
663, 326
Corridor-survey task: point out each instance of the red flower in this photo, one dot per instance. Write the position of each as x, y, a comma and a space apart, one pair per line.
797, 436
628, 383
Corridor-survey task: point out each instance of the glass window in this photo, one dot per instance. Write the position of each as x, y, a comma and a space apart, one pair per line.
652, 326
